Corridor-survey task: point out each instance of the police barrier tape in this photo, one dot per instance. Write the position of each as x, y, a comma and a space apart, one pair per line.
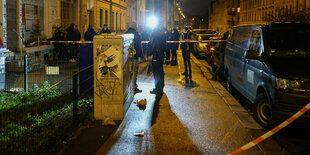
272, 132
143, 42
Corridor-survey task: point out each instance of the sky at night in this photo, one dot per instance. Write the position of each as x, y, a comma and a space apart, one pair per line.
195, 7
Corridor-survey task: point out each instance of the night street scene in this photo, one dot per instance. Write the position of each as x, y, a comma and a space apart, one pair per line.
148, 77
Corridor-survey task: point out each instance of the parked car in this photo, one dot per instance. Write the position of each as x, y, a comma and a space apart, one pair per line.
202, 34
269, 64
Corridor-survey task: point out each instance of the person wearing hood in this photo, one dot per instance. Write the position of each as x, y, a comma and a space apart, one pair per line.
105, 29
89, 34
138, 47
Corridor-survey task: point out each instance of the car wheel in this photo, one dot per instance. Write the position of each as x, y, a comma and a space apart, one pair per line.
263, 111
229, 86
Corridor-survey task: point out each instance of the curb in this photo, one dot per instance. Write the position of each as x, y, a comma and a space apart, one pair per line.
272, 132
232, 103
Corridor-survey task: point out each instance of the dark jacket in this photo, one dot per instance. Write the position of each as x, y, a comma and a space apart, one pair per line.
69, 31
137, 43
89, 34
158, 45
145, 36
188, 36
175, 37
169, 38
76, 36
105, 31
57, 36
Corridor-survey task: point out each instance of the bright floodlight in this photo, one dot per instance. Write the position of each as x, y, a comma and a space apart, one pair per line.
152, 22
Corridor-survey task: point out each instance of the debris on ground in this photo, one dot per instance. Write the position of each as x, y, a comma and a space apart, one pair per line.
141, 134
141, 104
109, 121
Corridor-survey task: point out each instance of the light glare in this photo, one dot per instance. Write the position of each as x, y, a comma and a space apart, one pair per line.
152, 22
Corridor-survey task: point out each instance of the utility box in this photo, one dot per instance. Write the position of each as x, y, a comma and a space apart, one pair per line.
113, 75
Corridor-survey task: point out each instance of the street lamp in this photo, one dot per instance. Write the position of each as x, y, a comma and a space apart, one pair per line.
193, 18
177, 4
179, 8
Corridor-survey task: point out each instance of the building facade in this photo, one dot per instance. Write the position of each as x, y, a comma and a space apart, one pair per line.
224, 14
262, 11
25, 21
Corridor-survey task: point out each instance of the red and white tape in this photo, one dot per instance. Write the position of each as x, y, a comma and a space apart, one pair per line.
272, 132
143, 42
189, 41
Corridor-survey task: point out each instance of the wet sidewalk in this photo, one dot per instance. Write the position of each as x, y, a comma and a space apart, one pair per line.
185, 120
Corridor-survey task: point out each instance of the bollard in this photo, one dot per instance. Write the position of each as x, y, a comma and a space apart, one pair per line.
25, 73
75, 98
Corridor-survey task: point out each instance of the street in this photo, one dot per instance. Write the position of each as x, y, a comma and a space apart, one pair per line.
203, 119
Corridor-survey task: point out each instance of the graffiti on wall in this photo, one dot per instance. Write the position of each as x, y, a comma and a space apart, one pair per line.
108, 72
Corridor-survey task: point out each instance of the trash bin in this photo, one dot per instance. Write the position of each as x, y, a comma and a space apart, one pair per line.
2, 68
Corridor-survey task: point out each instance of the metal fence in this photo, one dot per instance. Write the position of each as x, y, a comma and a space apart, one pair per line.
40, 102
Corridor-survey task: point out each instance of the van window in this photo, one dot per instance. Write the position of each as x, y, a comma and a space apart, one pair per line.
255, 43
241, 37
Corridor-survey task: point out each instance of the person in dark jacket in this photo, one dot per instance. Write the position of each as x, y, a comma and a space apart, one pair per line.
89, 34
168, 46
187, 48
145, 46
158, 47
105, 29
58, 35
175, 46
138, 47
222, 52
73, 35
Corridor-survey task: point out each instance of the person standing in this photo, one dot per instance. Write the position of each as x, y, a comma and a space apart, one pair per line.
145, 46
168, 47
105, 29
73, 35
175, 47
89, 34
137, 45
158, 47
57, 36
187, 48
222, 52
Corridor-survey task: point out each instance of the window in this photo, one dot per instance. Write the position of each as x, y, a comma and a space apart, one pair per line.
106, 17
120, 21
255, 43
116, 23
112, 21
241, 37
101, 18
